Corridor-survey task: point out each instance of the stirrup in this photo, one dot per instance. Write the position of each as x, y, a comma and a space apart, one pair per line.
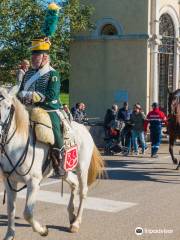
58, 161
60, 172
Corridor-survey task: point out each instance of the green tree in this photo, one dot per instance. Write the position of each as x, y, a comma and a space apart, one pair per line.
21, 21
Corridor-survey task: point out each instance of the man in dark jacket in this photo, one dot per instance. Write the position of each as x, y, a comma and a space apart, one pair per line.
124, 112
124, 115
111, 115
79, 114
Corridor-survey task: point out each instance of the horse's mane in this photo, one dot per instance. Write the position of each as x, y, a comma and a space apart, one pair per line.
176, 92
21, 118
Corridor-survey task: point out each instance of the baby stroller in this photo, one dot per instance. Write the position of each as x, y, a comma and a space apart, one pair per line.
112, 142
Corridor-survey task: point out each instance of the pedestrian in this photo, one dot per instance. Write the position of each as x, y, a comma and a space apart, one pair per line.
110, 116
73, 109
83, 108
67, 111
79, 113
41, 87
124, 114
23, 68
155, 118
137, 119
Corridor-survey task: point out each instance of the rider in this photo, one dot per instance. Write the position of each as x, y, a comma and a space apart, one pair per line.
41, 87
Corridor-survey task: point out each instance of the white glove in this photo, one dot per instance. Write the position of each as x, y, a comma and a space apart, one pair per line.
26, 96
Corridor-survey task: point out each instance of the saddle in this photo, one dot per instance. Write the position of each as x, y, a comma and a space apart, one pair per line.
43, 126
44, 133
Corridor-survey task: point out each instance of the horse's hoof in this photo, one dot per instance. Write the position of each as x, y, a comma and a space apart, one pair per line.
175, 161
177, 168
11, 238
72, 220
45, 232
74, 229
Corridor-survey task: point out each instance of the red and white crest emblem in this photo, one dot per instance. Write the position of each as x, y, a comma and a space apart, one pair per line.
71, 158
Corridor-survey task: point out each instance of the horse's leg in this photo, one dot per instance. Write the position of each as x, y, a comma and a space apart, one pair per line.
11, 207
171, 145
83, 176
32, 190
72, 180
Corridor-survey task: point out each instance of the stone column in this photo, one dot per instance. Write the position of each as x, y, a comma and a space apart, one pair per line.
176, 64
154, 42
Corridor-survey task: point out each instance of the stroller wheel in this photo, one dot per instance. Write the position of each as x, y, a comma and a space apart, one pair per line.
125, 151
108, 152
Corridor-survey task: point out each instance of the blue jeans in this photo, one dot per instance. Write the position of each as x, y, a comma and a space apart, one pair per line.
135, 136
126, 138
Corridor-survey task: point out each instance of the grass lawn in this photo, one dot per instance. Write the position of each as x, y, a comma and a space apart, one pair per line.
64, 98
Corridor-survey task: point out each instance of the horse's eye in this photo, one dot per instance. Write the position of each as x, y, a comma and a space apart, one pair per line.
1, 97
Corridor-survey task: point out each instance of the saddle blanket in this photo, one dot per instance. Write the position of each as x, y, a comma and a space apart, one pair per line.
71, 158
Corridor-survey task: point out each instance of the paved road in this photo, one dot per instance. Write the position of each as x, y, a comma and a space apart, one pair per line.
140, 192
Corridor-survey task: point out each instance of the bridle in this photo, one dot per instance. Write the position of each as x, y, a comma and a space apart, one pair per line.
174, 105
5, 129
5, 141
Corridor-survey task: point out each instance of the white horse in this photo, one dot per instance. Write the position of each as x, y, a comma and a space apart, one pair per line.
22, 162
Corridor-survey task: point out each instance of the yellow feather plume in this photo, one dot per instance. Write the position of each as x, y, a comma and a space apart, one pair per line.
53, 6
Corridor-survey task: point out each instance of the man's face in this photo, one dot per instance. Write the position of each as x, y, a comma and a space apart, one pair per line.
126, 106
39, 60
65, 107
136, 109
81, 106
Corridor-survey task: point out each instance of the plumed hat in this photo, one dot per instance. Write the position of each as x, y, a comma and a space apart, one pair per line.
42, 44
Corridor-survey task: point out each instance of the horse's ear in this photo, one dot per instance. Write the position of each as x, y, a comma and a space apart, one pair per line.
13, 90
3, 91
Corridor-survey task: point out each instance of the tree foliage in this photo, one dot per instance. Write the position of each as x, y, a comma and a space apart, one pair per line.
21, 21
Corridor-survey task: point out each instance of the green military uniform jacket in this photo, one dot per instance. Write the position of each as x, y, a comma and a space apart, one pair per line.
48, 87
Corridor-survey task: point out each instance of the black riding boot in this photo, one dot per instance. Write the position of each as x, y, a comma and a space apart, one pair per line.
58, 156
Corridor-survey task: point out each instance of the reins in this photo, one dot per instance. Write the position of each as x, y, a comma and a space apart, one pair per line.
5, 130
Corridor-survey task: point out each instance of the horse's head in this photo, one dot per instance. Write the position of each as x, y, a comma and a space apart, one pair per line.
173, 101
6, 107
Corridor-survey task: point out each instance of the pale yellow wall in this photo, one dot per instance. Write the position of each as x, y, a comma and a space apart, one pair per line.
131, 14
100, 68
173, 3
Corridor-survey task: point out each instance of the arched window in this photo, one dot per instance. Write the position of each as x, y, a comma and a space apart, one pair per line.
109, 30
166, 58
107, 27
166, 30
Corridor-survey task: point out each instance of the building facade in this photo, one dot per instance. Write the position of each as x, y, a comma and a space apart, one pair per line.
131, 55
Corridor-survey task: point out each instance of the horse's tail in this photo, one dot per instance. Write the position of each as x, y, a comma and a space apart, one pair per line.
96, 168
